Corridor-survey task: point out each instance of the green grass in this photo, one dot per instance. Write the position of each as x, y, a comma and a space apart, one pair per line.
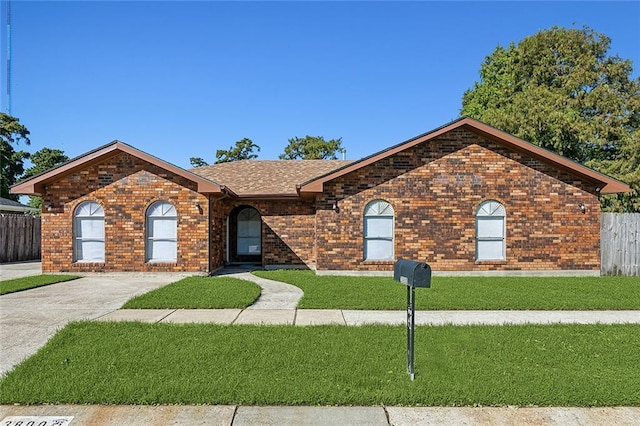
544, 293
26, 283
134, 363
199, 293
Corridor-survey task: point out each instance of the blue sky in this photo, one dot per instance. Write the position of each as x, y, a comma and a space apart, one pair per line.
183, 79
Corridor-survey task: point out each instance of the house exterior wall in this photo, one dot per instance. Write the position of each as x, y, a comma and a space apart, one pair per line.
435, 189
125, 187
287, 229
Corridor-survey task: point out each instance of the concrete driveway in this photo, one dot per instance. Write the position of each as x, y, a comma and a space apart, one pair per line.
29, 318
9, 271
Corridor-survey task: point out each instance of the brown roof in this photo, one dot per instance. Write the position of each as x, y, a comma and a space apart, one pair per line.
35, 185
267, 178
607, 184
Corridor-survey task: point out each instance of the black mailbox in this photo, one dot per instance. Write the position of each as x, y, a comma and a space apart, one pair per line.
412, 273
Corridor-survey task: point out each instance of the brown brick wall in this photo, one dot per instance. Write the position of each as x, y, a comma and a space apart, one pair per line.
287, 229
125, 187
435, 189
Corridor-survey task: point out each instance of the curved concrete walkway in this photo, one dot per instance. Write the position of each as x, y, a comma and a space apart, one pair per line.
275, 294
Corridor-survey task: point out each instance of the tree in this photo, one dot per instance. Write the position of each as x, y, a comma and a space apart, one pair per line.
42, 161
312, 148
243, 150
197, 162
559, 89
11, 161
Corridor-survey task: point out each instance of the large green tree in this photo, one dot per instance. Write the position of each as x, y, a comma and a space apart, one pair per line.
242, 150
562, 90
312, 148
11, 161
41, 161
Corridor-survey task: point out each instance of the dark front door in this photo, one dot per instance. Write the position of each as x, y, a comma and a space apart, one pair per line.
246, 235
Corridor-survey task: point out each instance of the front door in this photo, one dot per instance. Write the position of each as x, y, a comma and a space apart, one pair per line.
246, 236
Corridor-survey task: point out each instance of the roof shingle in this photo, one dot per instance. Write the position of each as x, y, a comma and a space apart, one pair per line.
267, 177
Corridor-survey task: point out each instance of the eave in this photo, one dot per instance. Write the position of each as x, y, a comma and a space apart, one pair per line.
606, 184
36, 184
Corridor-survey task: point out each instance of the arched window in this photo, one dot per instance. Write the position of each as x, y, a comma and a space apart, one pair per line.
88, 232
490, 231
162, 232
378, 231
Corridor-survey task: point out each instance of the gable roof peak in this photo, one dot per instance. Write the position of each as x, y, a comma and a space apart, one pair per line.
608, 184
35, 185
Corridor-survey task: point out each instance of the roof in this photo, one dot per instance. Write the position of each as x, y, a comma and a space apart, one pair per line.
607, 185
7, 205
267, 178
35, 185
294, 178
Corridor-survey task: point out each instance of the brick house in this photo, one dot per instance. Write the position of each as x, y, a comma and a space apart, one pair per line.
463, 197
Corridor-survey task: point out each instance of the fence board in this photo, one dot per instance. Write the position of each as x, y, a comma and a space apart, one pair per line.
619, 245
19, 238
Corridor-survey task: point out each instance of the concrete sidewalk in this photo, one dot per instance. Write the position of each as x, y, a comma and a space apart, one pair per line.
355, 317
223, 415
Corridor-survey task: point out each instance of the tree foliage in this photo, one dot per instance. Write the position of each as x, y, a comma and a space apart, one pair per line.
312, 148
41, 161
243, 150
11, 161
560, 89
197, 162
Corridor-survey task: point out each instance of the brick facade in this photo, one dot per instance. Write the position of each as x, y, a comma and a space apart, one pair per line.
125, 187
287, 229
435, 189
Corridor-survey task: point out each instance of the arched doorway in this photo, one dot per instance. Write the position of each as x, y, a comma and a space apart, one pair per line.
245, 235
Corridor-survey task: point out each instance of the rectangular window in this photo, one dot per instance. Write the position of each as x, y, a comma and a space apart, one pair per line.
249, 236
162, 240
378, 238
490, 238
89, 239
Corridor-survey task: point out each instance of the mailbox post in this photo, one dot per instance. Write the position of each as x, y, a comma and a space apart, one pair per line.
412, 274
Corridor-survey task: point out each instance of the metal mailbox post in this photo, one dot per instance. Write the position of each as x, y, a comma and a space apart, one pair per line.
412, 274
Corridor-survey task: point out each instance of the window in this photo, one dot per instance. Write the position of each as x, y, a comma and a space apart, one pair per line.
88, 232
249, 232
378, 231
162, 232
490, 231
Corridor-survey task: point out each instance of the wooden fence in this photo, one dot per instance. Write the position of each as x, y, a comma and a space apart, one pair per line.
619, 244
19, 237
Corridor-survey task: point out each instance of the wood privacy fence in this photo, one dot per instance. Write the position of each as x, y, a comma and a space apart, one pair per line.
619, 244
19, 237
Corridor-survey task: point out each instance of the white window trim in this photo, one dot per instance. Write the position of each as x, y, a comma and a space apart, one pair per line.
150, 239
496, 210
366, 238
78, 240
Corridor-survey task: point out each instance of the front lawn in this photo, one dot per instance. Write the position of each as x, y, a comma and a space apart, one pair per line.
466, 293
26, 283
199, 293
134, 363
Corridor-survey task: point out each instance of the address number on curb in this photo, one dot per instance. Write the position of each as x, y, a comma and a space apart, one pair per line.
36, 421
